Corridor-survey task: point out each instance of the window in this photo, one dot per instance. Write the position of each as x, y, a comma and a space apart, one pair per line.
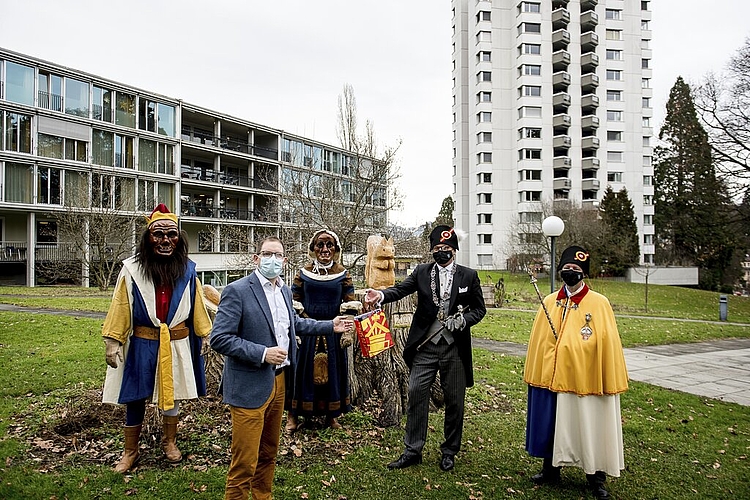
648, 219
484, 117
530, 196
484, 178
102, 148
124, 154
648, 258
146, 115
76, 97
50, 91
614, 95
205, 241
529, 7
530, 133
644, 5
530, 175
529, 154
484, 36
484, 76
645, 83
648, 199
645, 24
530, 49
615, 156
46, 232
17, 136
614, 55
646, 141
530, 217
614, 116
648, 180
484, 97
645, 43
484, 157
18, 182
530, 91
645, 63
614, 34
529, 28
484, 15
484, 218
614, 74
484, 137
646, 121
48, 186
530, 69
166, 120
648, 239
19, 83
646, 161
485, 239
484, 56
125, 110
614, 135
529, 112
646, 102
614, 176
613, 14
484, 260
484, 197
101, 108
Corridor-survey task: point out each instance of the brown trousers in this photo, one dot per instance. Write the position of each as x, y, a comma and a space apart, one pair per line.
255, 443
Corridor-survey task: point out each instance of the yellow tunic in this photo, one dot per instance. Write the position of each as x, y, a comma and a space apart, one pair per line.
579, 361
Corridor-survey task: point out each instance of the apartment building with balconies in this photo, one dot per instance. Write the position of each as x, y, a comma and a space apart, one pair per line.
73, 139
552, 101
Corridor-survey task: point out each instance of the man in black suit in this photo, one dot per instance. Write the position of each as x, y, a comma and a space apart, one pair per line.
449, 302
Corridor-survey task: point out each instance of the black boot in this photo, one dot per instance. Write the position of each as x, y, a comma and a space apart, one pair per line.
596, 483
548, 475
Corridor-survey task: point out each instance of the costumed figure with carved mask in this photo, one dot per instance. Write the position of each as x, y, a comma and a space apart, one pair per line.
321, 287
153, 334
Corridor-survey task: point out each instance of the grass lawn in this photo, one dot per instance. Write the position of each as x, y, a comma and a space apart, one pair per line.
676, 445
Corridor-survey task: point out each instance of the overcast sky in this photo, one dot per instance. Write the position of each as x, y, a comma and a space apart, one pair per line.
283, 63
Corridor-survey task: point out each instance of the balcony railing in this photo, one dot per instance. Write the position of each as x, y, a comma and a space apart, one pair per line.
13, 251
228, 179
228, 143
50, 101
242, 214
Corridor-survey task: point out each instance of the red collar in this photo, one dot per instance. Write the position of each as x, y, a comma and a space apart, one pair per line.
577, 298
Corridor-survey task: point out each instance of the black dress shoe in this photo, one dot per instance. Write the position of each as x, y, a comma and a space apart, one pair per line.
447, 462
599, 492
405, 461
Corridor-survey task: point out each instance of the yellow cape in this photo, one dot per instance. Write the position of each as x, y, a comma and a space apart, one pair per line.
572, 363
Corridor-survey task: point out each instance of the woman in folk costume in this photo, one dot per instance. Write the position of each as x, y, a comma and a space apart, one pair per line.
153, 334
575, 369
321, 287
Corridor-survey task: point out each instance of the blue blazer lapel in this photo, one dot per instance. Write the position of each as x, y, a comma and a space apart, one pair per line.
260, 296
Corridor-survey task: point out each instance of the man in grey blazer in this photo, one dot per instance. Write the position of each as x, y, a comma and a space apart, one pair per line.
449, 303
255, 330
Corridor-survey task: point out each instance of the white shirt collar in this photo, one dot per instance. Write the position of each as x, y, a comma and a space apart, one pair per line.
447, 268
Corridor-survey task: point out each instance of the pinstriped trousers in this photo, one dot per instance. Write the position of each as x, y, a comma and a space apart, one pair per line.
432, 359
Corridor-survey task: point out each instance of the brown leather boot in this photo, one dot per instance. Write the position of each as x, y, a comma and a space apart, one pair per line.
131, 455
169, 439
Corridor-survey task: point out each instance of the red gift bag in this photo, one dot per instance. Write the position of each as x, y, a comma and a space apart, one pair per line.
373, 333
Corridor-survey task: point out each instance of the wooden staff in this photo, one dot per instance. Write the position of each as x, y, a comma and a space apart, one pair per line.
541, 301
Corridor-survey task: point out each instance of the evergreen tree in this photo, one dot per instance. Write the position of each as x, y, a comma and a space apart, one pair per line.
692, 206
446, 212
619, 245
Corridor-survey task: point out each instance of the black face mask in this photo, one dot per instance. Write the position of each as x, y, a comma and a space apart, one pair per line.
442, 257
571, 277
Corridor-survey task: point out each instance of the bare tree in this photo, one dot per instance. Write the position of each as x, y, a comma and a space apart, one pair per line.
96, 231
723, 103
350, 194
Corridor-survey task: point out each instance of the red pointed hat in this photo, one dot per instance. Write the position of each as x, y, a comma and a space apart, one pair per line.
161, 212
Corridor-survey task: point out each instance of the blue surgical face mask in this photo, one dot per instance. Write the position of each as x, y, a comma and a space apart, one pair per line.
270, 267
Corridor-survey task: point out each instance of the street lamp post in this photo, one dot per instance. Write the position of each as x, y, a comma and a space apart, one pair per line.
553, 227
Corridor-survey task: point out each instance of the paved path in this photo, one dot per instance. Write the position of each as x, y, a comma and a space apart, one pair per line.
717, 369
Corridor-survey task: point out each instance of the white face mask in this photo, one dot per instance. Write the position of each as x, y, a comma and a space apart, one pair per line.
270, 267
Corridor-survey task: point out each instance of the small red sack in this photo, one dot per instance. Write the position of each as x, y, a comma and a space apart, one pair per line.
373, 333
